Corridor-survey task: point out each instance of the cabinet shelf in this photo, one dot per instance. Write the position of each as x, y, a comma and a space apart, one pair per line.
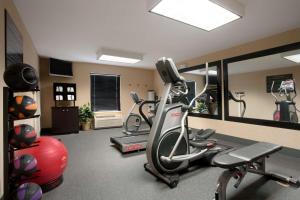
65, 120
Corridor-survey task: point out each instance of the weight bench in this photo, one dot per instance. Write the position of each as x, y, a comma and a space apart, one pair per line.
248, 159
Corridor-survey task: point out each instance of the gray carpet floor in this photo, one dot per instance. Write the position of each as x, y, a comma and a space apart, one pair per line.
98, 171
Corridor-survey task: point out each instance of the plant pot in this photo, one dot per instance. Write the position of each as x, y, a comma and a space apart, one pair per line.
86, 126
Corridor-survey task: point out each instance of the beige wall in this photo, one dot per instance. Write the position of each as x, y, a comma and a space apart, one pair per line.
285, 137
158, 84
260, 104
30, 57
132, 79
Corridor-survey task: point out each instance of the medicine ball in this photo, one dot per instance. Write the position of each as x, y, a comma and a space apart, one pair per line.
22, 107
25, 165
22, 135
21, 77
52, 160
28, 191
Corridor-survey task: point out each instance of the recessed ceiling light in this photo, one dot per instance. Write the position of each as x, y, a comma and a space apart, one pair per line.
293, 56
210, 72
204, 14
111, 55
118, 59
203, 72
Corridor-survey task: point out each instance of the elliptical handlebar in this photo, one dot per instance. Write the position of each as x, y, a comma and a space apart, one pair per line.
185, 114
230, 95
286, 87
196, 97
204, 89
179, 91
276, 99
295, 91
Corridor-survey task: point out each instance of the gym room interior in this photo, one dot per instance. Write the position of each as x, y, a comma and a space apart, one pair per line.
150, 100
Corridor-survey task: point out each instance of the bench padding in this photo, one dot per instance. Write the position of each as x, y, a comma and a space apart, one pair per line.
245, 155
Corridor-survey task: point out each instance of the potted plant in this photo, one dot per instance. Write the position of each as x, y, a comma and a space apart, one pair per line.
85, 116
202, 108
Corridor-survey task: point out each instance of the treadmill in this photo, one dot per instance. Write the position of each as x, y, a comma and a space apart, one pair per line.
132, 143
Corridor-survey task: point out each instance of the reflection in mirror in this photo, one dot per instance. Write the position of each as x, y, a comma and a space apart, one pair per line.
265, 87
209, 103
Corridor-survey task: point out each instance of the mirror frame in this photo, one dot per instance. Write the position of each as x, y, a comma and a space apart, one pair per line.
219, 88
262, 122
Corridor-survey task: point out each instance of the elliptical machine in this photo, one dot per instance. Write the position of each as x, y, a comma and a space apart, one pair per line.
169, 150
286, 110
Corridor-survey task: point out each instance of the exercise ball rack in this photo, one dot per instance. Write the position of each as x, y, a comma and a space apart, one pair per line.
8, 149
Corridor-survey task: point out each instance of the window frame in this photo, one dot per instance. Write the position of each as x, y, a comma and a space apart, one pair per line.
91, 92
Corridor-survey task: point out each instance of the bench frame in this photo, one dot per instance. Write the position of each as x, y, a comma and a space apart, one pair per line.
257, 166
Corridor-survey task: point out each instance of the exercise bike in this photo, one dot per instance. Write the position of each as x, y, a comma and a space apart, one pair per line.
286, 110
169, 149
133, 122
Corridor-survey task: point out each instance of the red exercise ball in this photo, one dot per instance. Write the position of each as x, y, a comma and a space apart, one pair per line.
52, 159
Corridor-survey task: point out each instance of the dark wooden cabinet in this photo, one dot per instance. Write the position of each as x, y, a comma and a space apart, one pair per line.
65, 120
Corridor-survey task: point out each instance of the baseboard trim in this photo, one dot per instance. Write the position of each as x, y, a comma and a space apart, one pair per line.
107, 127
285, 150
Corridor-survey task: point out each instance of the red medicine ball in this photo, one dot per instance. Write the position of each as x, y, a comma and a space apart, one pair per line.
52, 159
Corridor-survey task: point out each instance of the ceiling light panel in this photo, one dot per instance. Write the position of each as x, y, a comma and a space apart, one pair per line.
119, 56
204, 14
210, 72
293, 56
111, 58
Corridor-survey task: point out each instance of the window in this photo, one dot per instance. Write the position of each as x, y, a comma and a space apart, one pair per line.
105, 92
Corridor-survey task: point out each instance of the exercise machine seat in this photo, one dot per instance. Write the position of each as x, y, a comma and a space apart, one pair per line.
245, 155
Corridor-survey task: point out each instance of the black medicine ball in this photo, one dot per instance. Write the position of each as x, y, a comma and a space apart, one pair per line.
21, 77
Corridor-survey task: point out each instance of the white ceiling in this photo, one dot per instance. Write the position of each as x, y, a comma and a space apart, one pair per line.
76, 29
274, 61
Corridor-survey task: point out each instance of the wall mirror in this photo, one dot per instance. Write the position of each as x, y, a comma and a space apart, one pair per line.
208, 105
261, 88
